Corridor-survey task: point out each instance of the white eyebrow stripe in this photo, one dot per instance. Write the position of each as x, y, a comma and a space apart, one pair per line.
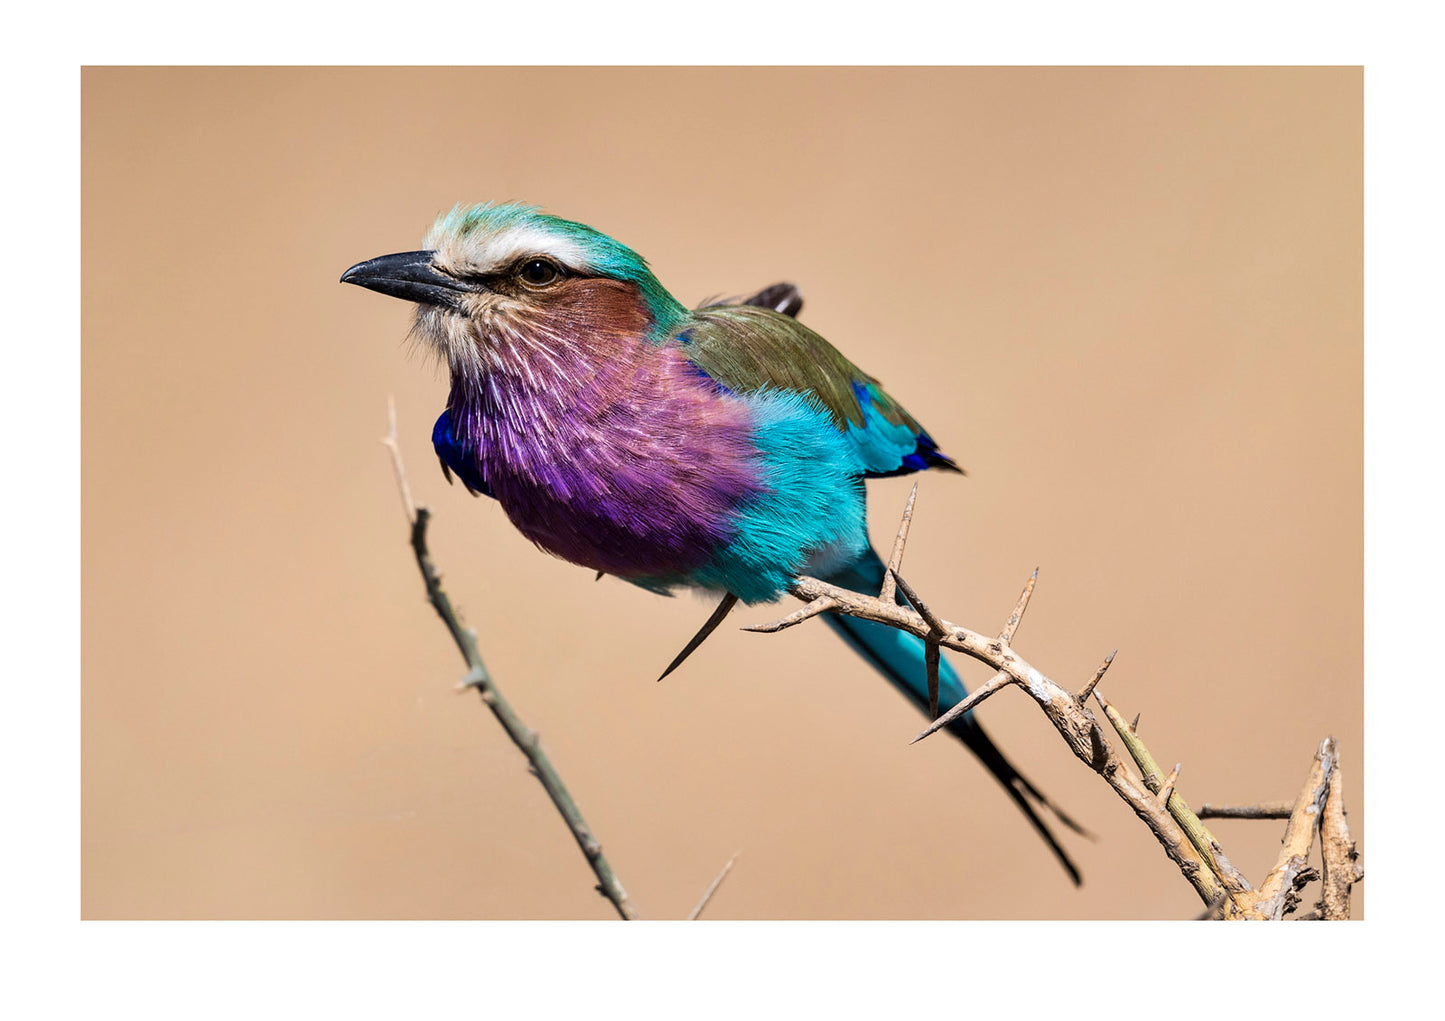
488, 254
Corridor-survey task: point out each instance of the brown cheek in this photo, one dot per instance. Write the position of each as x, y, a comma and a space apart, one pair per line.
608, 306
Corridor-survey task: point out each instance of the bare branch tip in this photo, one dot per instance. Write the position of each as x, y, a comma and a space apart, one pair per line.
398, 469
707, 895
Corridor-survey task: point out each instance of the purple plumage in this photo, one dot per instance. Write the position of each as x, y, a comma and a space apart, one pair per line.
605, 449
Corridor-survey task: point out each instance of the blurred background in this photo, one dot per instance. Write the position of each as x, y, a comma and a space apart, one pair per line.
1129, 301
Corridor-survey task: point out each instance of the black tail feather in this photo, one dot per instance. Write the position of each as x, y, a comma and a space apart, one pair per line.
865, 575
1019, 789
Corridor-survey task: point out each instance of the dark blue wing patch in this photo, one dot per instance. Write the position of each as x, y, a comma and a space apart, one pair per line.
924, 456
890, 449
457, 457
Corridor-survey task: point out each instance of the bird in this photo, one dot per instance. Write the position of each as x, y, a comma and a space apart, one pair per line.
721, 448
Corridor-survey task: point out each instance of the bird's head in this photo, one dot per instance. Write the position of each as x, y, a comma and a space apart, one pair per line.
489, 276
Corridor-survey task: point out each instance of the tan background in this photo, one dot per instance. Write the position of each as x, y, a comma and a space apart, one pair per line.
1129, 301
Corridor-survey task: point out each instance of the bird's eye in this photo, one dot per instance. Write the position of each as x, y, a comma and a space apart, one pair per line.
539, 272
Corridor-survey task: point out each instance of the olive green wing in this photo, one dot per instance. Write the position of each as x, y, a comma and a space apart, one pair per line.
747, 349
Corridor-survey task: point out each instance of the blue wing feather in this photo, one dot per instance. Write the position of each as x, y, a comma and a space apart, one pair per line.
888, 449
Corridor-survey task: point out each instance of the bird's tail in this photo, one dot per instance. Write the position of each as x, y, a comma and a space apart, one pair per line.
899, 657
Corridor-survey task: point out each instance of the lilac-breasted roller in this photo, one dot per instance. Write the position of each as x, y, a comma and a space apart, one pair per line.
722, 448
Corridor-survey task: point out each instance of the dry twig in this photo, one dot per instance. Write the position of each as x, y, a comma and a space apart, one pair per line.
390, 442
1342, 870
1263, 810
1280, 890
523, 736
697, 910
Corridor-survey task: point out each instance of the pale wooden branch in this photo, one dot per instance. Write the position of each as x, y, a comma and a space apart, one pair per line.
1341, 860
1279, 891
527, 740
1262, 810
1179, 831
697, 910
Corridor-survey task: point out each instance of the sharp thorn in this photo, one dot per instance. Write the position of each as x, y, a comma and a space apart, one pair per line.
820, 605
1099, 750
929, 617
999, 680
1168, 787
1084, 692
895, 559
931, 657
1011, 627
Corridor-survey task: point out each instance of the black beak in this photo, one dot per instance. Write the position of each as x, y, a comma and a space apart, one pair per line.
411, 276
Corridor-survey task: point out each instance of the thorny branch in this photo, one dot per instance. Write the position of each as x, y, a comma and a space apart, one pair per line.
1151, 795
1200, 838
